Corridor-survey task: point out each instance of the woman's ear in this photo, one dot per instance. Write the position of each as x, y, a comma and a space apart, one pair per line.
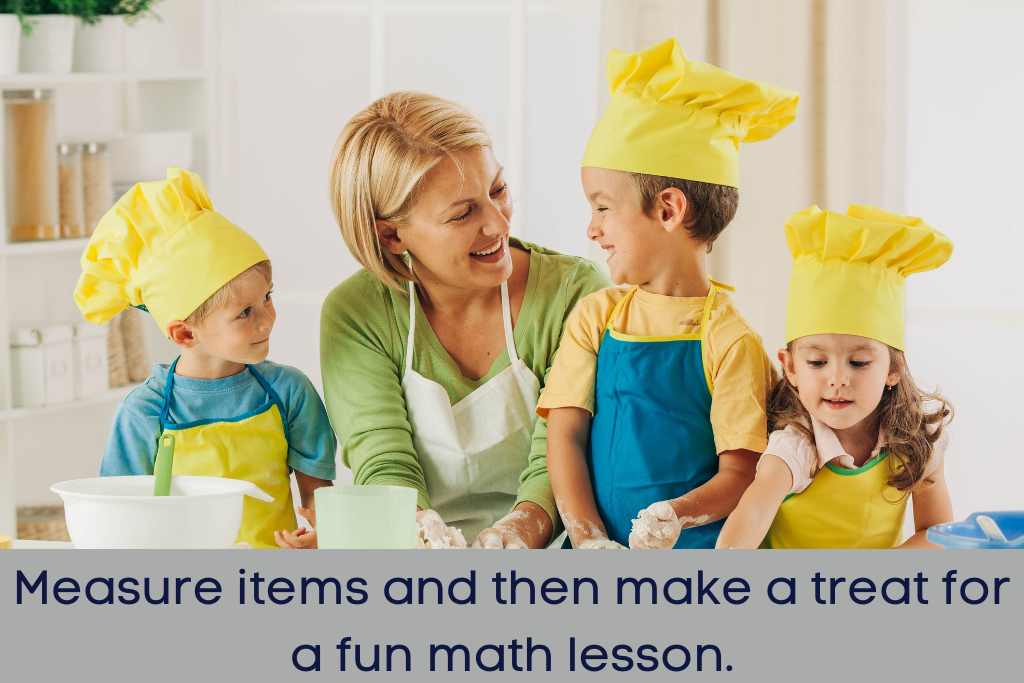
788, 366
671, 208
387, 233
181, 334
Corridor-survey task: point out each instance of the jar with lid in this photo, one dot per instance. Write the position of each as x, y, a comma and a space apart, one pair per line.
31, 165
72, 199
99, 184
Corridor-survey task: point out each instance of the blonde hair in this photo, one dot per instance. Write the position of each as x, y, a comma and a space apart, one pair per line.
379, 161
223, 295
913, 420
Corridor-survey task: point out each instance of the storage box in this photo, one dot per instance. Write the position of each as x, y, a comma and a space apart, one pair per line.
90, 360
41, 365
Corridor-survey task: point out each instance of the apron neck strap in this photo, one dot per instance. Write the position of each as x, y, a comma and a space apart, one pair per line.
506, 320
709, 303
619, 307
165, 409
412, 326
168, 391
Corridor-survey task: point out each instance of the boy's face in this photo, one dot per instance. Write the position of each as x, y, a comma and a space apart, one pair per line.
239, 331
839, 377
631, 238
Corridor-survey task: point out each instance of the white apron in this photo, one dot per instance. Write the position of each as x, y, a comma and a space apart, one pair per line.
473, 452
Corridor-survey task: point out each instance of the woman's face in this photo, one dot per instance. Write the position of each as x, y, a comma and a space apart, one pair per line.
457, 230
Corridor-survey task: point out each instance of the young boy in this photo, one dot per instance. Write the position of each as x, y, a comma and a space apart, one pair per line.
232, 413
656, 399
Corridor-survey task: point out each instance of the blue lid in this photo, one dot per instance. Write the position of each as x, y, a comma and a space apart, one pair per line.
969, 535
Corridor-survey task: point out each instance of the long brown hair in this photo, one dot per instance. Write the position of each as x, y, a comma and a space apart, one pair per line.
913, 420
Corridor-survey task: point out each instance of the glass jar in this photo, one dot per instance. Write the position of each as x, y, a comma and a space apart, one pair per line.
99, 185
72, 197
31, 165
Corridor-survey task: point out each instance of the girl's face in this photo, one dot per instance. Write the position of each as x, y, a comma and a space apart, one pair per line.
632, 240
839, 377
457, 231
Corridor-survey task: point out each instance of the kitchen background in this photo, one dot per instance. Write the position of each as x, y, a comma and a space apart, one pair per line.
908, 104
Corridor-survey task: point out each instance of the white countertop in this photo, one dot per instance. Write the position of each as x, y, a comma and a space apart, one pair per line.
21, 544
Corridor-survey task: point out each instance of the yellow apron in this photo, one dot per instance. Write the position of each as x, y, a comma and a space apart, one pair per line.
842, 508
253, 447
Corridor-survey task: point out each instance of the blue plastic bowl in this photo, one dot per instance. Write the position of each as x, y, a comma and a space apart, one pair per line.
968, 535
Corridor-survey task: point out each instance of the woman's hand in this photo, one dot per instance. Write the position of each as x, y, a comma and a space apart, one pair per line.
527, 526
302, 538
435, 534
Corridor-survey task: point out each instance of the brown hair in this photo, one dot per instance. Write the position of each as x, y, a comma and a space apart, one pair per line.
911, 430
709, 207
223, 295
381, 157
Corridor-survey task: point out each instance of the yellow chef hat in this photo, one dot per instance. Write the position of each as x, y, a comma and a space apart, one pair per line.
161, 246
849, 269
674, 117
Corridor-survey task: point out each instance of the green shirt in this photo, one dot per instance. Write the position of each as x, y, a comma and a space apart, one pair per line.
363, 330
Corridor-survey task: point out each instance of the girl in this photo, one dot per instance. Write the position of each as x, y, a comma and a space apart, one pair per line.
853, 436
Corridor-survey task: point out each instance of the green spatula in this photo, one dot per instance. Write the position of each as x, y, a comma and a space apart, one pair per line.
162, 466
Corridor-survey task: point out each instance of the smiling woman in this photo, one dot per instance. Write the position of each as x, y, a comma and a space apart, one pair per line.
434, 354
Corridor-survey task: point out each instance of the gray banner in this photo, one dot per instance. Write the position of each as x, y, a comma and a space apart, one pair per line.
248, 615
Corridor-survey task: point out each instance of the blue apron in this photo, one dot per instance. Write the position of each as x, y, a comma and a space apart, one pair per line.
651, 436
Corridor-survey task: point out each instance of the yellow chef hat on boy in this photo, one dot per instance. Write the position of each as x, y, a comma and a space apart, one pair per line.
162, 247
849, 269
674, 117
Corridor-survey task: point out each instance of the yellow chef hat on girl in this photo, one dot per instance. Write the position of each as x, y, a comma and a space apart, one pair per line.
162, 247
674, 117
849, 270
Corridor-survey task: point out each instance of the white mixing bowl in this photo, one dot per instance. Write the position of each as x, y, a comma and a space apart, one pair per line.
122, 512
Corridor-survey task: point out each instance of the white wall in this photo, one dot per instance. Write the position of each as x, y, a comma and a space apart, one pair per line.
966, 320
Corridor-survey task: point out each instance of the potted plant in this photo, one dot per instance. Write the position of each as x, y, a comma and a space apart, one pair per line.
10, 33
100, 43
48, 32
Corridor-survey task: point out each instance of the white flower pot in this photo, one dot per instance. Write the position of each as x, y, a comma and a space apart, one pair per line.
99, 47
48, 48
10, 35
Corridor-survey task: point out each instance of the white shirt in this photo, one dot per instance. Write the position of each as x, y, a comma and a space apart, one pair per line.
805, 457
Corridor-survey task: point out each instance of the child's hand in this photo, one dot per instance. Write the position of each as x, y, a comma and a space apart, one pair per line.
656, 527
434, 533
301, 538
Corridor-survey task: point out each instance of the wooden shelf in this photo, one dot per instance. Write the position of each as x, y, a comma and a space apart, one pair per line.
109, 396
41, 80
64, 246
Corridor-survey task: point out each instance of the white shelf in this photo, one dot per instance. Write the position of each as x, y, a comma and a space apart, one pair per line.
109, 396
41, 80
63, 246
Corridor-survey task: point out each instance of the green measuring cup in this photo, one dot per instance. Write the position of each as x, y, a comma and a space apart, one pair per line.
365, 517
162, 466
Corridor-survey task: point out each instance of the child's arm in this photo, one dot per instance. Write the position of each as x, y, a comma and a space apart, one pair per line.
568, 432
659, 525
932, 505
131, 446
302, 538
749, 522
307, 485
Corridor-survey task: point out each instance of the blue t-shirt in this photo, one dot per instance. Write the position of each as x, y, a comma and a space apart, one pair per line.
311, 441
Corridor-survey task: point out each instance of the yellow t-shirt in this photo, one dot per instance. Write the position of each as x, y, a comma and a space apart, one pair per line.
734, 359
